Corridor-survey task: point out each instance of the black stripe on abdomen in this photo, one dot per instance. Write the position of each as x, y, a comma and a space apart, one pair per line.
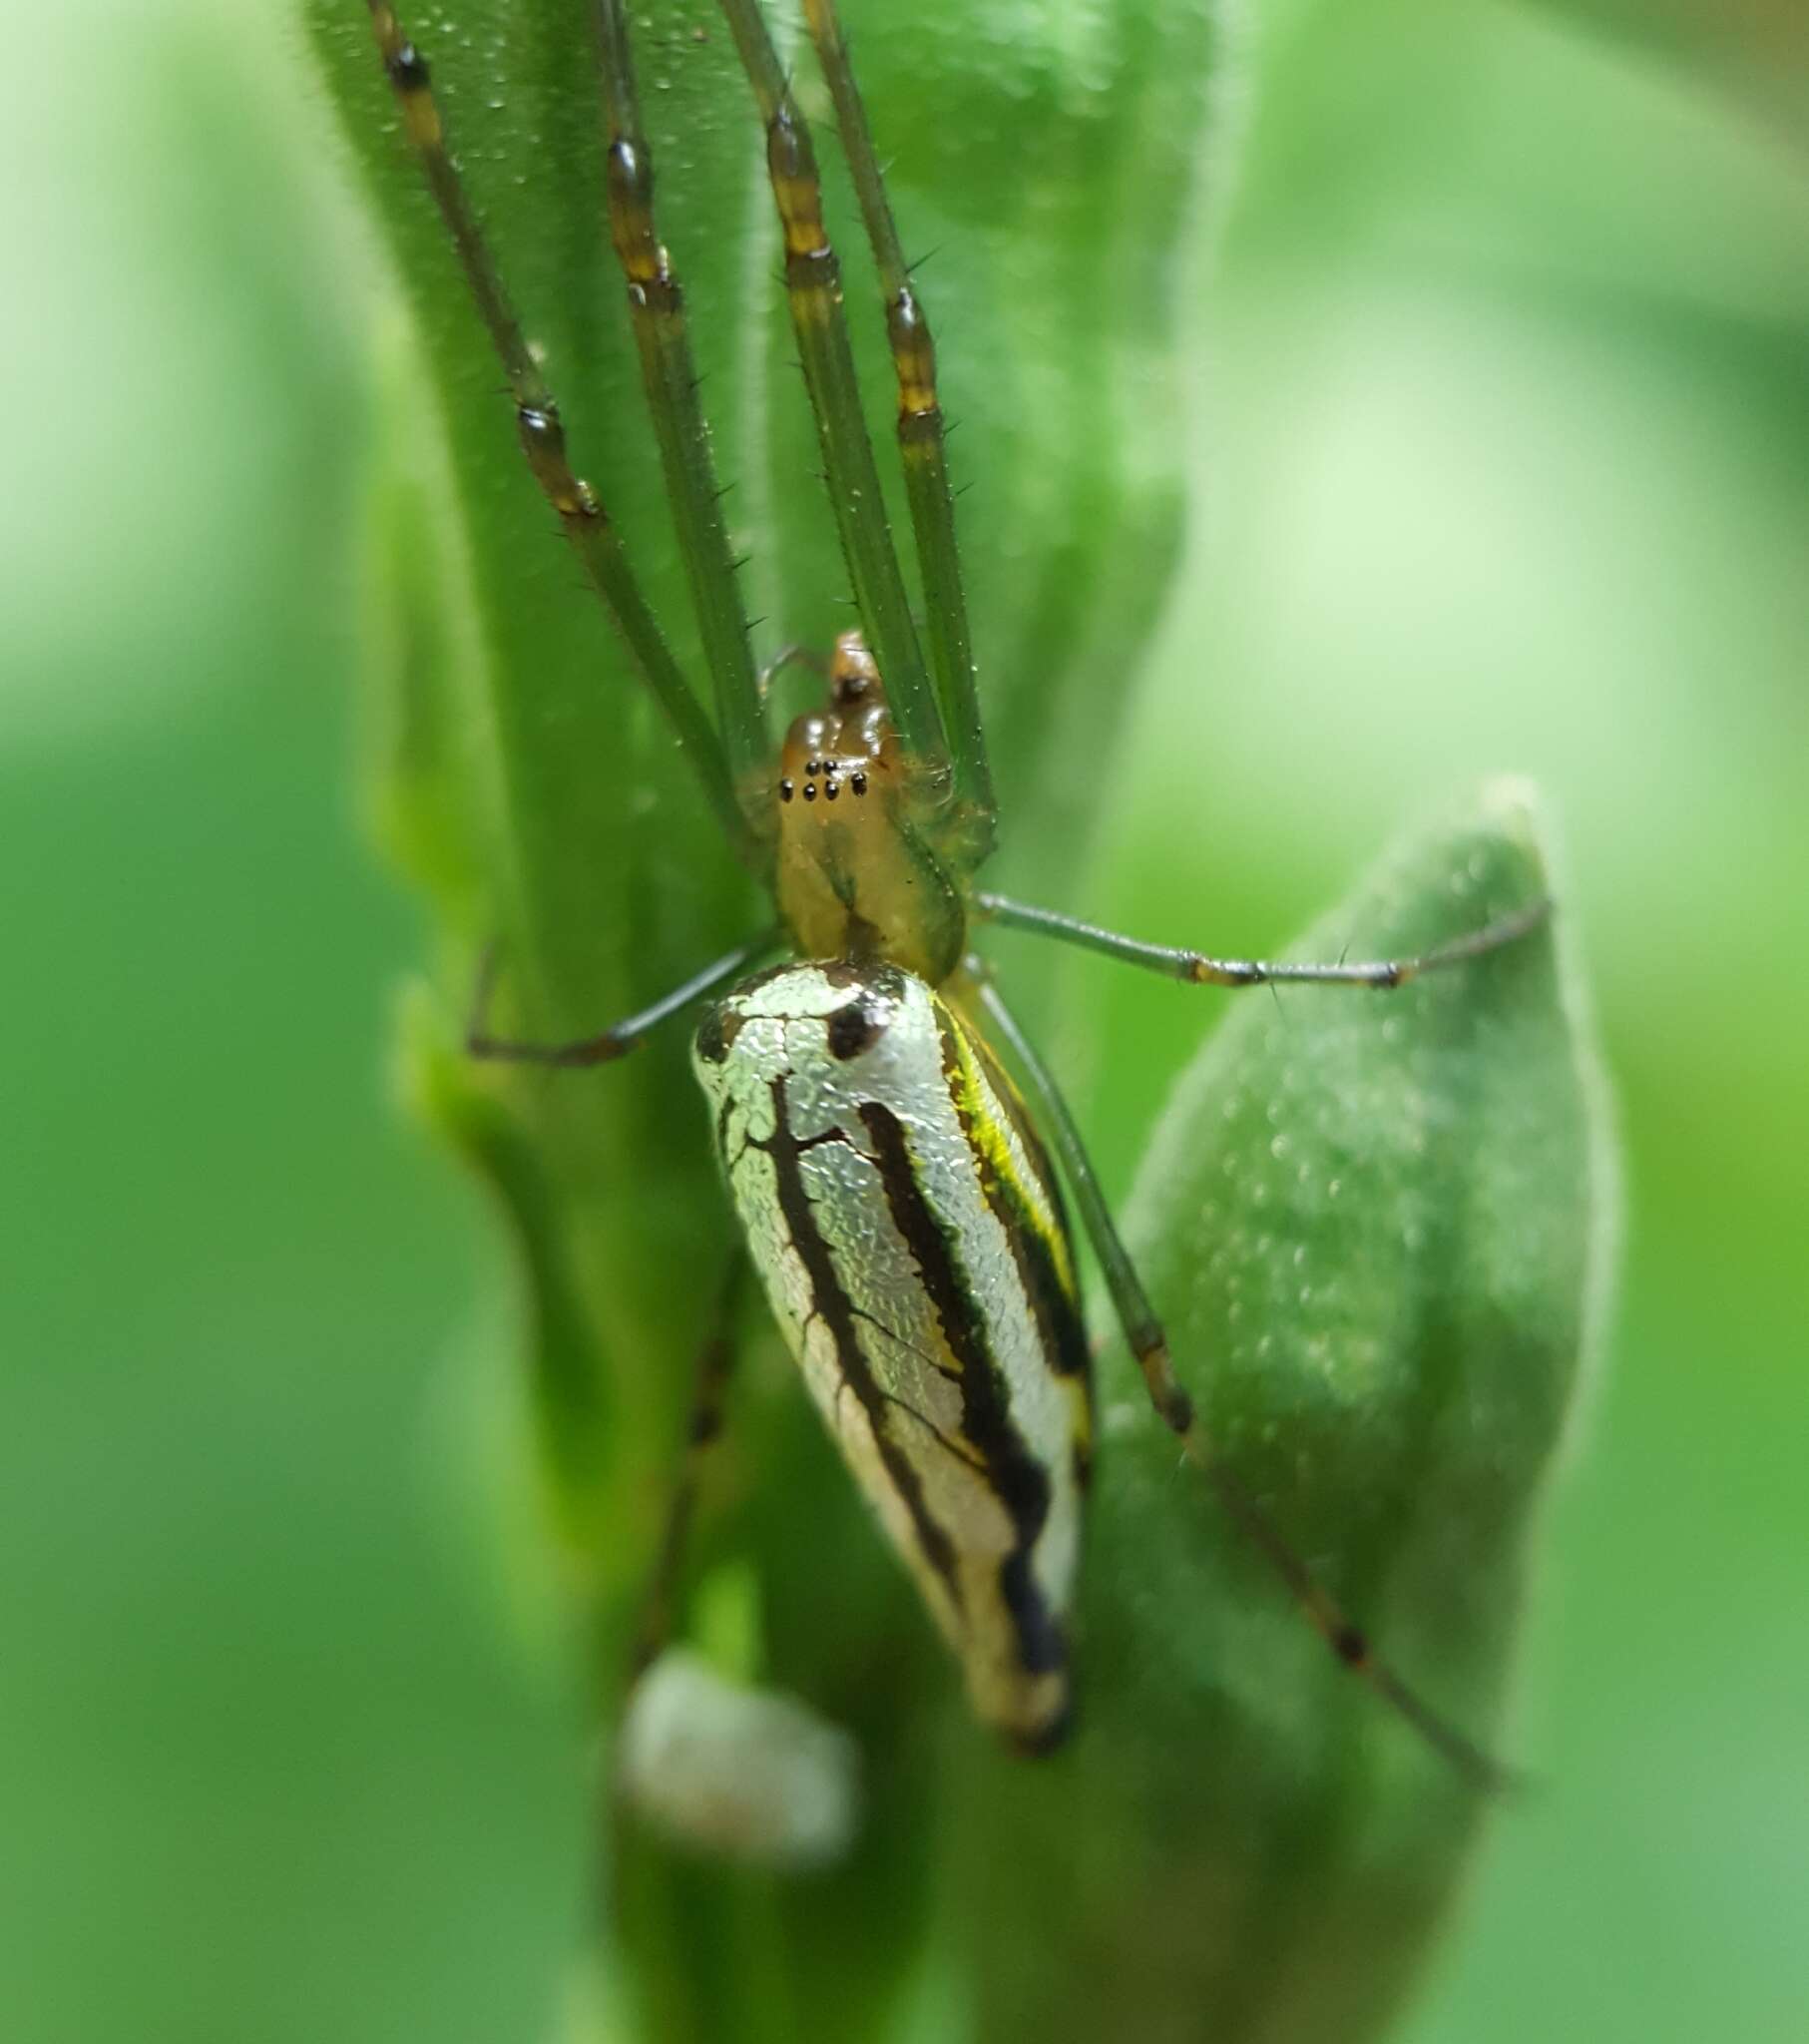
832, 1303
1008, 1469
1057, 1309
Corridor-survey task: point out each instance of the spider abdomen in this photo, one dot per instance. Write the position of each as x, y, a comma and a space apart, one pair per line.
907, 1231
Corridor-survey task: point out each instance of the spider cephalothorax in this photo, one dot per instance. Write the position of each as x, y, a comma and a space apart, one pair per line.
857, 876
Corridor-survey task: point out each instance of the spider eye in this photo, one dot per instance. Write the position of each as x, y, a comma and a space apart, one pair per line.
855, 1028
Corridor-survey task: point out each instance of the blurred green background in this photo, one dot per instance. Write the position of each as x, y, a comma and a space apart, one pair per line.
1502, 461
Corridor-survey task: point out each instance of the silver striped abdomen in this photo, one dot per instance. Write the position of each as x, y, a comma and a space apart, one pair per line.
906, 1226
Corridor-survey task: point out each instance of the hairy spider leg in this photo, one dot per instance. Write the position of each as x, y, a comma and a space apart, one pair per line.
669, 378
922, 442
1149, 1345
1382, 974
579, 507
813, 291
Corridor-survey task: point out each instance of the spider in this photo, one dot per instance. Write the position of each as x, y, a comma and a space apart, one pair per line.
898, 1188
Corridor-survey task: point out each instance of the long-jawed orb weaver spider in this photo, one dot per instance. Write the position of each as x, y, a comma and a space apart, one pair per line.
894, 1186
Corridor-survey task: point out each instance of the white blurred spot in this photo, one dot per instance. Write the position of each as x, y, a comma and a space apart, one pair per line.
742, 1774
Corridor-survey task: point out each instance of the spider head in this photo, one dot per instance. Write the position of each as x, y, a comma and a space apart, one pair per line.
846, 751
855, 880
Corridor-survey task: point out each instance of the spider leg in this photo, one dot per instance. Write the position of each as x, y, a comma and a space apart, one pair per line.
790, 655
620, 1037
813, 288
670, 377
1201, 970
921, 439
709, 1388
1149, 1345
579, 509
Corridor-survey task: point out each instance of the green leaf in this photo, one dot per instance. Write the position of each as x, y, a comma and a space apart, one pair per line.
1375, 1223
